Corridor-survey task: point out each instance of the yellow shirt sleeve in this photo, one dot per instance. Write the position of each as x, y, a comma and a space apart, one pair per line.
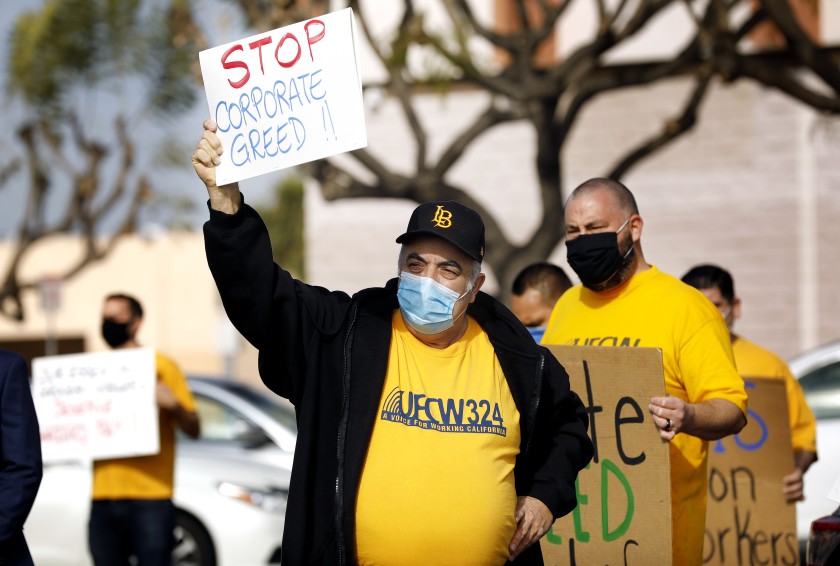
708, 367
170, 374
755, 361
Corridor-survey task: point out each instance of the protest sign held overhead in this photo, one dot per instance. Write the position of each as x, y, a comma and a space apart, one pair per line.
93, 406
285, 97
748, 520
623, 515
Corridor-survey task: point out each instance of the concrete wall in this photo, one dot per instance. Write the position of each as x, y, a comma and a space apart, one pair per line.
168, 274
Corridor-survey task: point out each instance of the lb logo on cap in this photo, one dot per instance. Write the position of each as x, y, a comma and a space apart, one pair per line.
443, 218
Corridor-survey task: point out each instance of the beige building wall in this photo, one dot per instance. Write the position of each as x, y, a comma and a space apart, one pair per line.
167, 273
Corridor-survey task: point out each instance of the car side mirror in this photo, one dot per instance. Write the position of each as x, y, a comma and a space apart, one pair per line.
250, 436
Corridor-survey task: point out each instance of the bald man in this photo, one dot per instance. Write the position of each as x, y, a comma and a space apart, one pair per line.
624, 301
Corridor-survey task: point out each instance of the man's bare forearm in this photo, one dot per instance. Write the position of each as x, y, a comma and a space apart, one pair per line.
804, 459
714, 419
226, 198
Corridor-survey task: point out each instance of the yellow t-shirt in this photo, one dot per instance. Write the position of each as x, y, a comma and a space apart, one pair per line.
147, 477
437, 485
655, 310
754, 361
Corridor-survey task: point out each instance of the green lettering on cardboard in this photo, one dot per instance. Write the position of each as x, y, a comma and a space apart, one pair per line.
580, 534
553, 538
608, 467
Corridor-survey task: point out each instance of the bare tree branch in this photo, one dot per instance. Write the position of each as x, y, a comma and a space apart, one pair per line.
81, 210
9, 169
767, 73
506, 42
801, 44
672, 129
491, 117
399, 87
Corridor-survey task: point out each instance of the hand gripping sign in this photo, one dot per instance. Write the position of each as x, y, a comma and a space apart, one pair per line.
285, 97
623, 515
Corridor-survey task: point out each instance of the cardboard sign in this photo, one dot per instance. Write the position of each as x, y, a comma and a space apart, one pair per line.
623, 515
94, 406
285, 97
748, 520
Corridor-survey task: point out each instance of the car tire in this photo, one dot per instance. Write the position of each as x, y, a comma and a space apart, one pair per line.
193, 545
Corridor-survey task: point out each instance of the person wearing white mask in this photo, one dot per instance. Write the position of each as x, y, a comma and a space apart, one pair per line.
416, 402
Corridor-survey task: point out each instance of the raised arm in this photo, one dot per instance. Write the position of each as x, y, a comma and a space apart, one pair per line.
276, 313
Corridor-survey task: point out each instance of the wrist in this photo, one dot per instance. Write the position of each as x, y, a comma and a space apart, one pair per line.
226, 199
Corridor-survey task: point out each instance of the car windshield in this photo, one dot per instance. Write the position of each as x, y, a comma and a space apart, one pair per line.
281, 413
822, 390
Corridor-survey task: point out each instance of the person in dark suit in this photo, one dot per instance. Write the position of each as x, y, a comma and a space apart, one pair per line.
20, 458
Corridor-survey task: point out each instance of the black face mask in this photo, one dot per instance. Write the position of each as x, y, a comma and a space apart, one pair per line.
596, 257
115, 333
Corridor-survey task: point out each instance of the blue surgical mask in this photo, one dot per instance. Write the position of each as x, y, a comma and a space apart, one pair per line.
426, 305
537, 332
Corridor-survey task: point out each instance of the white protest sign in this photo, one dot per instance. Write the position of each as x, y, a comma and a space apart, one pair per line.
285, 97
95, 406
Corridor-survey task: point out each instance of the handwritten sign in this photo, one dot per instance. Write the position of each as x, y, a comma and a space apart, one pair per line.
285, 97
747, 518
623, 515
94, 406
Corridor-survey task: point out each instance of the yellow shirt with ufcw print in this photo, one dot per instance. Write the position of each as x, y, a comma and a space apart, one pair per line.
438, 483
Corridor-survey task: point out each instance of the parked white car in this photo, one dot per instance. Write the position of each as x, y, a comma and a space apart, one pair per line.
818, 372
230, 486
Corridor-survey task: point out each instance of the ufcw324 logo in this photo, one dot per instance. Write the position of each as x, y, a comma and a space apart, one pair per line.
443, 217
477, 416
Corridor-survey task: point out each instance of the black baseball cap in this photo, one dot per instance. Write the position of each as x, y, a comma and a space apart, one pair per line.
459, 225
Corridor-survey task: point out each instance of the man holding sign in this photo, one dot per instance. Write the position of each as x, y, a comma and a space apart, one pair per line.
432, 429
132, 512
624, 301
754, 361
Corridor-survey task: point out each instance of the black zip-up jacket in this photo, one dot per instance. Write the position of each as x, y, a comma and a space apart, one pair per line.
327, 352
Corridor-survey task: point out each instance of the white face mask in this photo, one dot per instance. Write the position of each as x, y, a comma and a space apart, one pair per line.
426, 305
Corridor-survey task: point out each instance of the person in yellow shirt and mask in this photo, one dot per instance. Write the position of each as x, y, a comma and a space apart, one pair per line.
624, 301
754, 361
131, 512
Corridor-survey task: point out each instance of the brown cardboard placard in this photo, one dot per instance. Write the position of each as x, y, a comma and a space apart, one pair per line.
747, 518
624, 495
